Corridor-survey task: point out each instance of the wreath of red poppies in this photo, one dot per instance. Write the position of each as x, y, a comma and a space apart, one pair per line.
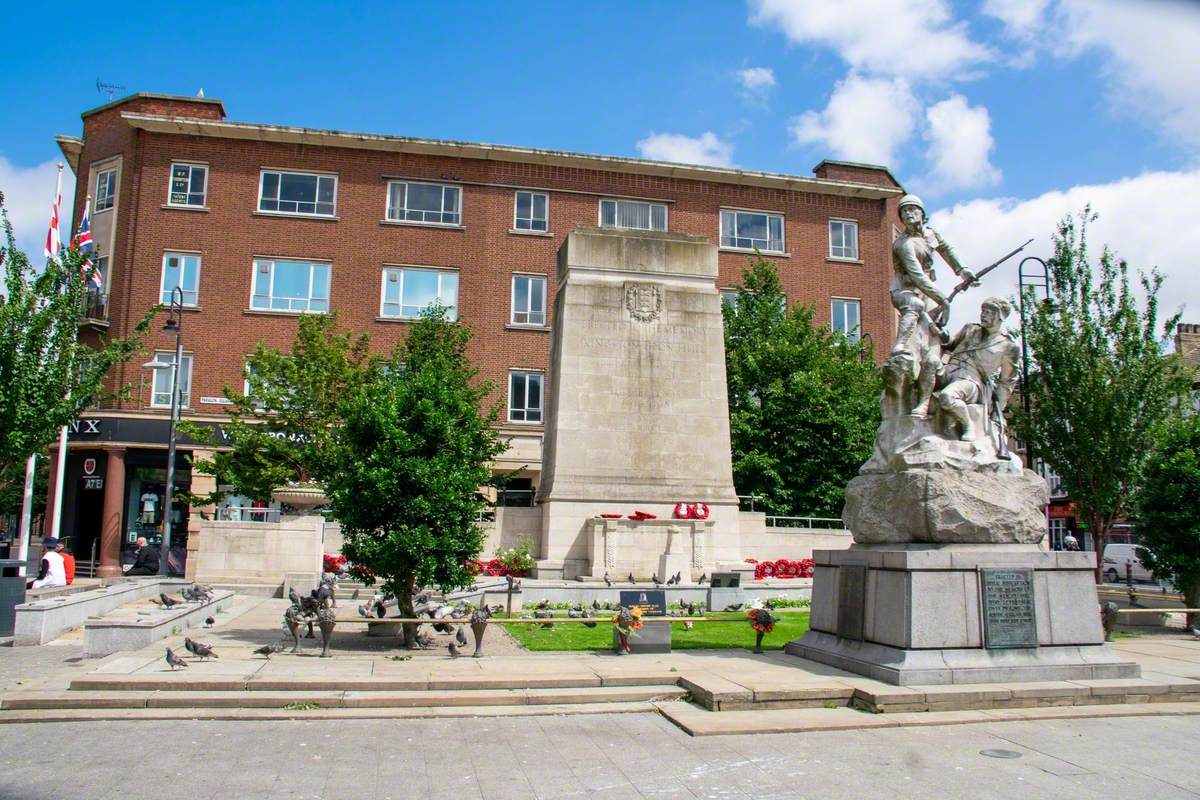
782, 568
493, 568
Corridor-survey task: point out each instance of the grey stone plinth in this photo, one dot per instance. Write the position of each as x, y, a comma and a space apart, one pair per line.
654, 637
945, 506
912, 614
44, 620
719, 599
104, 636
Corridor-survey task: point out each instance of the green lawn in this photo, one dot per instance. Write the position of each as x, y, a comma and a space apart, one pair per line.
575, 636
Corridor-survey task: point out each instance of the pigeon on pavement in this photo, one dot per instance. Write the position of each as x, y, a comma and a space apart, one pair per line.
167, 600
293, 597
189, 645
204, 651
461, 636
209, 622
607, 580
453, 650
354, 596
267, 650
703, 578
631, 580
174, 660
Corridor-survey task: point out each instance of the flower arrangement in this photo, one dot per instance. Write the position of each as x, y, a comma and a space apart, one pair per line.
627, 620
783, 568
761, 620
334, 564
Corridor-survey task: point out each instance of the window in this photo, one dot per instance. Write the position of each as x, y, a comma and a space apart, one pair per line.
529, 300
524, 397
161, 394
297, 193
846, 318
290, 286
100, 266
188, 185
430, 203
407, 291
106, 190
532, 213
747, 230
729, 297
182, 270
633, 214
843, 239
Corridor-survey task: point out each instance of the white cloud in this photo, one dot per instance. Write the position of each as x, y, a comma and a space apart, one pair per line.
756, 83
960, 143
1153, 70
1021, 17
913, 39
866, 120
28, 193
705, 149
1141, 219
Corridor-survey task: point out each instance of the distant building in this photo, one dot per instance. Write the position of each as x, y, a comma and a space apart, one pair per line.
260, 223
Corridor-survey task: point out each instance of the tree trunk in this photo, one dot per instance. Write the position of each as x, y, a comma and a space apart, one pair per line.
1099, 539
1191, 599
404, 602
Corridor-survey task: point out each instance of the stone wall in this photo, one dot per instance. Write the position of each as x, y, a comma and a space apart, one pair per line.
259, 552
768, 544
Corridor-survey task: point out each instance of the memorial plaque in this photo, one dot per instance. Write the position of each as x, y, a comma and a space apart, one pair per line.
852, 596
1006, 598
653, 602
726, 580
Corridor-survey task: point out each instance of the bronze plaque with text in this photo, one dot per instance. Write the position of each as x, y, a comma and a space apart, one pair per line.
1006, 598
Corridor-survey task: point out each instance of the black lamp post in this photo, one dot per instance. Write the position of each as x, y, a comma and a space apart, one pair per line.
1031, 280
174, 324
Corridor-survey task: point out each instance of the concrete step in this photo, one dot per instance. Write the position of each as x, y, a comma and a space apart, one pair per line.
60, 700
418, 712
700, 722
180, 682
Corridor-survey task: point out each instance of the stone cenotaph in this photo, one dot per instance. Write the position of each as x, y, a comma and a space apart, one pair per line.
637, 414
947, 581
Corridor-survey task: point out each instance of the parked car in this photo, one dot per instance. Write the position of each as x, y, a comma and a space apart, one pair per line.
1116, 556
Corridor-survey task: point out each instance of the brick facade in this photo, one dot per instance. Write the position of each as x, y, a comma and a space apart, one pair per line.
230, 233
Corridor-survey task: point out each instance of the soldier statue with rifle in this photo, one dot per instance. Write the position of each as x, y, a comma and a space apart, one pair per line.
981, 369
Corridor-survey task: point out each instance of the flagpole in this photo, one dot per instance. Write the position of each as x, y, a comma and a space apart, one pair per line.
27, 512
60, 475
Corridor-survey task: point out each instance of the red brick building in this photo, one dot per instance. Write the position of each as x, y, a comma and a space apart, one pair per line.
258, 224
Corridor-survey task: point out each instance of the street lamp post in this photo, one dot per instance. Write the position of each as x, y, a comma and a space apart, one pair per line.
174, 324
1031, 281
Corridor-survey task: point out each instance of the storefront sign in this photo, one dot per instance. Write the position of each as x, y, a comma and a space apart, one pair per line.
89, 466
216, 401
1061, 511
93, 484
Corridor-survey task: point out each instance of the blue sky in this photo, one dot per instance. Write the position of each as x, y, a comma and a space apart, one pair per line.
1002, 114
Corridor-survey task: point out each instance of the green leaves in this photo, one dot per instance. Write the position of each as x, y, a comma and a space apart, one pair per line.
803, 401
48, 376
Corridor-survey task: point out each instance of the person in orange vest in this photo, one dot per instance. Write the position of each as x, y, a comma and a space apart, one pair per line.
68, 562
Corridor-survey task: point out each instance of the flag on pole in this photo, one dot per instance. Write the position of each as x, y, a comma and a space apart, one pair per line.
85, 245
53, 239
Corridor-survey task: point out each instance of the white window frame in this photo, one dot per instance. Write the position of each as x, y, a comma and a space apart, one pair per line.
541, 407
100, 264
532, 219
617, 213
192, 167
106, 201
842, 257
851, 335
768, 214
262, 181
185, 395
162, 284
392, 214
399, 270
530, 276
272, 262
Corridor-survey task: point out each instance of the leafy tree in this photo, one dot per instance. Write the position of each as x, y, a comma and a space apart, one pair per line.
1101, 384
803, 400
12, 486
279, 433
1169, 510
406, 465
47, 375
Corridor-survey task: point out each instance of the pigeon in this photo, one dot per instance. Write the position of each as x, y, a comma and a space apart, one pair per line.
355, 595
588, 615
733, 606
174, 660
703, 579
189, 645
631, 580
687, 625
496, 609
425, 641
293, 597
364, 611
595, 605
1194, 631
453, 650
543, 603
575, 613
203, 651
607, 580
209, 622
654, 579
167, 600
266, 650
461, 636
678, 578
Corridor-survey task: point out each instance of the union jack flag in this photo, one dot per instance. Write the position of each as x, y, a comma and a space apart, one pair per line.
83, 243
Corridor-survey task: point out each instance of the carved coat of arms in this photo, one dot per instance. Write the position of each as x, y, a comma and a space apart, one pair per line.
644, 301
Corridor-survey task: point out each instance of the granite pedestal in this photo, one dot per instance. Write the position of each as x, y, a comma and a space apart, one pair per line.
918, 614
654, 637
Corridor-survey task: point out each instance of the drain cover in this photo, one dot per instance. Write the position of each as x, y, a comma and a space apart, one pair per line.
1000, 753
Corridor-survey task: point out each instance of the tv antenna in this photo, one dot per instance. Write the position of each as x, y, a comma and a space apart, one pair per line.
110, 88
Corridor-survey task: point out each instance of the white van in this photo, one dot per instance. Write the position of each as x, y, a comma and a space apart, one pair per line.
1116, 556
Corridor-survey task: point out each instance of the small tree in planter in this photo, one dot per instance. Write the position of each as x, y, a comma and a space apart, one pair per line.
405, 466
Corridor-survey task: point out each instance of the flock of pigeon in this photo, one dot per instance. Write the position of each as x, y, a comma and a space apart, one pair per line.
674, 580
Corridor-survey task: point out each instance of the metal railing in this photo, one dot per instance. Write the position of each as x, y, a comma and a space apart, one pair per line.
486, 515
745, 500
247, 514
816, 523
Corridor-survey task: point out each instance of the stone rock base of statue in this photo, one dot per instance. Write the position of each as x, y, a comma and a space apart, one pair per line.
920, 614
